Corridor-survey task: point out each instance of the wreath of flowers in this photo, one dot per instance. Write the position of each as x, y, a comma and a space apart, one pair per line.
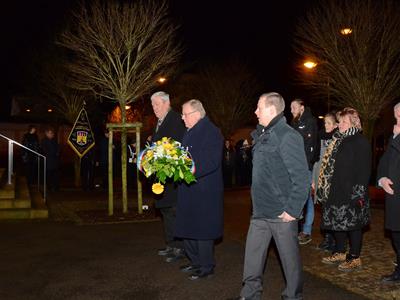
166, 159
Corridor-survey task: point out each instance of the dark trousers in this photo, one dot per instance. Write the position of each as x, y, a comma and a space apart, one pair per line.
396, 244
258, 239
52, 180
31, 172
169, 216
355, 237
200, 253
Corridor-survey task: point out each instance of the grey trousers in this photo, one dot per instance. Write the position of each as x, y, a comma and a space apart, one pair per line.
258, 239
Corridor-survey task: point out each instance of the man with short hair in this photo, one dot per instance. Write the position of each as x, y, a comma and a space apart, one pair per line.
199, 220
169, 124
389, 179
279, 189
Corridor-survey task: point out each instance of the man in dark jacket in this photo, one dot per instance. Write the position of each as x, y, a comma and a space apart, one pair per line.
389, 180
51, 150
279, 189
169, 124
31, 141
305, 124
199, 217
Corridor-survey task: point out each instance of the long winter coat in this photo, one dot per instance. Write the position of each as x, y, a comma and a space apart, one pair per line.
389, 166
199, 212
172, 127
347, 206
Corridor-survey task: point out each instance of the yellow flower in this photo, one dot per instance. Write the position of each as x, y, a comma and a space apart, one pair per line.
157, 188
158, 143
164, 139
149, 154
167, 146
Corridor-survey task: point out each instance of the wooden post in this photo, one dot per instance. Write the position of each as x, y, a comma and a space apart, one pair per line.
110, 174
139, 183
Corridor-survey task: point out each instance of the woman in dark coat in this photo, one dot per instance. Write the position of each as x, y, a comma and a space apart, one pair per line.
389, 179
199, 217
343, 189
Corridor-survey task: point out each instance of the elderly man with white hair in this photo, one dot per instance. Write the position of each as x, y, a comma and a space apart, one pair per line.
169, 124
389, 179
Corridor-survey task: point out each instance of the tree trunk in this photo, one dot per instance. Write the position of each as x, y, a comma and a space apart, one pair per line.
368, 128
124, 159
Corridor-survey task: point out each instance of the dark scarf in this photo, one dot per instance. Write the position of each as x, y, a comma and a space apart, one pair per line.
328, 163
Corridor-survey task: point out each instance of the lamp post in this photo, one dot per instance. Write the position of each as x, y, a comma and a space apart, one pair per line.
311, 65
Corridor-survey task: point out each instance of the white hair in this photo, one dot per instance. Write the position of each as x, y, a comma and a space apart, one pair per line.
397, 106
163, 95
197, 106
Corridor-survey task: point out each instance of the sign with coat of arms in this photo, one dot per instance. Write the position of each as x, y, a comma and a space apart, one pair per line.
81, 138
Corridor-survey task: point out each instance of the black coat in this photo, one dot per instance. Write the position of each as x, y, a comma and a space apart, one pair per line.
343, 210
31, 141
199, 212
51, 150
172, 127
389, 166
307, 126
280, 172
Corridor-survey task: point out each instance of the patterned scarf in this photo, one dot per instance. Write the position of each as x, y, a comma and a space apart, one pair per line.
328, 163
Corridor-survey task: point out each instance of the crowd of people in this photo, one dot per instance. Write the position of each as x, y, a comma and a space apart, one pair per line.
290, 167
293, 167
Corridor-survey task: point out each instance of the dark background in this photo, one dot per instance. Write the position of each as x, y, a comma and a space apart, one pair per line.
257, 32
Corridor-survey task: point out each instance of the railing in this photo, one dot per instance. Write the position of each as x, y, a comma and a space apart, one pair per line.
11, 143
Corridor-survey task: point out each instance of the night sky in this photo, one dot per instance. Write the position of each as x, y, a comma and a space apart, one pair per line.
259, 32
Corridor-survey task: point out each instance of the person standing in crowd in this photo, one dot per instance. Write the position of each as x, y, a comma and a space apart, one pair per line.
243, 163
131, 162
87, 170
199, 220
389, 180
325, 136
103, 158
343, 189
169, 124
51, 150
228, 163
30, 160
279, 190
304, 122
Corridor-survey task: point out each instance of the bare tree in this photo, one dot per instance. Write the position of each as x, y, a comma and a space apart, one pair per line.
119, 49
228, 91
356, 46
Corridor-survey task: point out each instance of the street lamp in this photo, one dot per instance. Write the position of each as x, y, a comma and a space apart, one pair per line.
310, 65
346, 31
162, 79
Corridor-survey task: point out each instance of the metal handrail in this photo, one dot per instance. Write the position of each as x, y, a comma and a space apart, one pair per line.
11, 142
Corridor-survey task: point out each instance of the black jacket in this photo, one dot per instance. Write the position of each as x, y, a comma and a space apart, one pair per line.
32, 142
172, 127
51, 150
306, 125
280, 173
347, 206
389, 166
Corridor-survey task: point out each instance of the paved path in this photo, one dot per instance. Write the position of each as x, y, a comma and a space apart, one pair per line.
60, 260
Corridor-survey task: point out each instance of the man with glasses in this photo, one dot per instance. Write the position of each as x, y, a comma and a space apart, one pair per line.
169, 124
199, 220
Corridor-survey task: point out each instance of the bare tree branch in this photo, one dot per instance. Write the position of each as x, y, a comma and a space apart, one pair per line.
363, 68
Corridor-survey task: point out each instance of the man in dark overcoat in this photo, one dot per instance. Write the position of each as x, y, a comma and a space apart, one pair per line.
389, 179
199, 220
169, 124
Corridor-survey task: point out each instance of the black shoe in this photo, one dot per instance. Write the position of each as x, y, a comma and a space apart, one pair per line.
189, 268
165, 251
177, 254
392, 278
199, 275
